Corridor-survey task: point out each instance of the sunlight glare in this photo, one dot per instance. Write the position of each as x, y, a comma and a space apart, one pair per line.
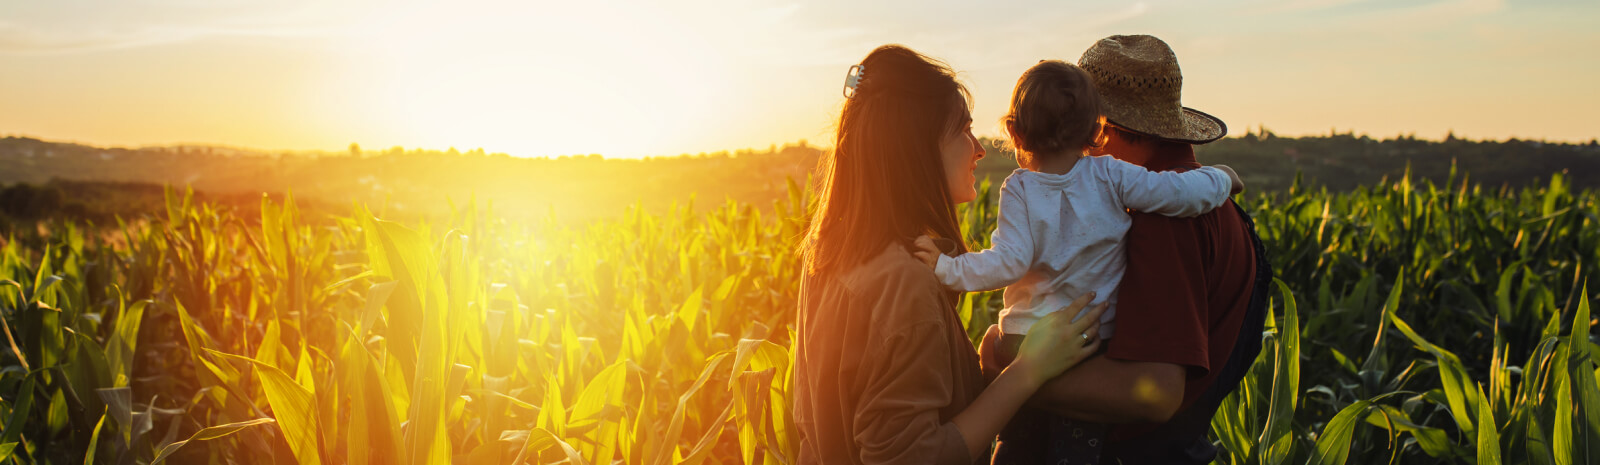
521, 79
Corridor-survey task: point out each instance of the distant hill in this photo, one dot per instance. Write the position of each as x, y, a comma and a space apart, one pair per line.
413, 184
80, 180
1344, 161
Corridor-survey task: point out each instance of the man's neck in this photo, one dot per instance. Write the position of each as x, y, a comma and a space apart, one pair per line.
1154, 156
1171, 156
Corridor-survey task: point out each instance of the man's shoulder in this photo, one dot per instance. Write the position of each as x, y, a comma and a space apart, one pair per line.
1225, 223
1225, 214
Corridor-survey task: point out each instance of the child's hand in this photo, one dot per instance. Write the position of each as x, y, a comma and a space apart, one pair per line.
926, 251
1238, 184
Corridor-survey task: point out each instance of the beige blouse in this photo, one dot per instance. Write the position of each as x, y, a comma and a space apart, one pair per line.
882, 366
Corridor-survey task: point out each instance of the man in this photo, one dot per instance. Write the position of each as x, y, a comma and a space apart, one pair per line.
1192, 302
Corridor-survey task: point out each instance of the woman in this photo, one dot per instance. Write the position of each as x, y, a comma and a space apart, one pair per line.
884, 370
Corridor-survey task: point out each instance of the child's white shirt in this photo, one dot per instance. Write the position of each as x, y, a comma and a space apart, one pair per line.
1061, 235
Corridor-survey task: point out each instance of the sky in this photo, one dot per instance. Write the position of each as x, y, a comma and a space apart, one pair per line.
634, 78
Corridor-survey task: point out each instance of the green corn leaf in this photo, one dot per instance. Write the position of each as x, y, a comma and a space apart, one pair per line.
43, 279
21, 406
1343, 361
94, 439
1562, 441
123, 343
1333, 446
87, 371
56, 414
1452, 374
1488, 433
1275, 441
208, 433
1585, 389
1376, 366
1502, 292
119, 404
1434, 441
1561, 432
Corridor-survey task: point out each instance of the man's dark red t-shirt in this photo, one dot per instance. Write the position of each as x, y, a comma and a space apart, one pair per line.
1185, 299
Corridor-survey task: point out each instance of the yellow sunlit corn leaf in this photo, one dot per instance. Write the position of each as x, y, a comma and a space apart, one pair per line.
601, 401
292, 407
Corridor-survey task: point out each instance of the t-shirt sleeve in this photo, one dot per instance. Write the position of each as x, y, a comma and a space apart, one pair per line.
907, 383
1170, 193
1010, 251
1161, 303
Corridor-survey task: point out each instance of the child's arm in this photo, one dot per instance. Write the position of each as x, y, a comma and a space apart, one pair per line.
1008, 258
1171, 193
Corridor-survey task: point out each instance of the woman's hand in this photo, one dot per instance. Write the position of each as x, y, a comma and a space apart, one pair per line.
1238, 184
1057, 342
1052, 345
926, 251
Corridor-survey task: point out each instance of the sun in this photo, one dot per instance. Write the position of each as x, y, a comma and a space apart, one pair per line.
534, 84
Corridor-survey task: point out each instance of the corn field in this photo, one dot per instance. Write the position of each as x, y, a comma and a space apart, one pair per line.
1412, 323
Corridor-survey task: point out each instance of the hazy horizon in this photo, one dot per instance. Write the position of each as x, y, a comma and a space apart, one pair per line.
634, 80
379, 149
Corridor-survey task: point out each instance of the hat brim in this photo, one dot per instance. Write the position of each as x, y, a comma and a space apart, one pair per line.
1198, 127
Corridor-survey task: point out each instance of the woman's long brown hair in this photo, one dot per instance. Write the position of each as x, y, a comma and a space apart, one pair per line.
884, 181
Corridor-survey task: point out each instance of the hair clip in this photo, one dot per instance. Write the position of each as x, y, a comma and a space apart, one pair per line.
852, 80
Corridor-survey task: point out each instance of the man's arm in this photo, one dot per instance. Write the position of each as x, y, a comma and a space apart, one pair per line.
1105, 390
1101, 389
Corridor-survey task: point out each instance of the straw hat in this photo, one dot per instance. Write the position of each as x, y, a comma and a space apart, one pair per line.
1139, 81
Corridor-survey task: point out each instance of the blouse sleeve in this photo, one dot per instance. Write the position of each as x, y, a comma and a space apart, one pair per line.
907, 383
1010, 252
1169, 193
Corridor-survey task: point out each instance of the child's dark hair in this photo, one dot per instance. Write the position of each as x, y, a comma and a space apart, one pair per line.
1055, 108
